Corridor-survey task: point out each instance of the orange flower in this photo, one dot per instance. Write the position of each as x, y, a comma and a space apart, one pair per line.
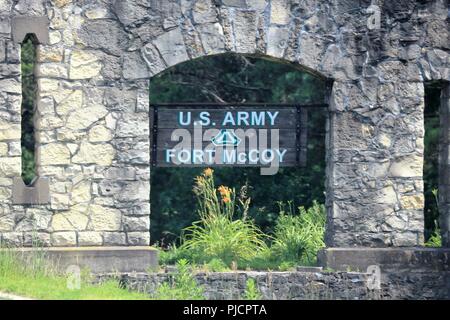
224, 191
208, 172
226, 200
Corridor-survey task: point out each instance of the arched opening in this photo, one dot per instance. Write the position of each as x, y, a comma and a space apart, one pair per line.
234, 78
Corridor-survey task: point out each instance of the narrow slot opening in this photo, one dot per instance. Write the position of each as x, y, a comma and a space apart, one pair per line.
28, 62
431, 164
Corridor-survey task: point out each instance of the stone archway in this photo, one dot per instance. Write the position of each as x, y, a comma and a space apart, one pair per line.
93, 128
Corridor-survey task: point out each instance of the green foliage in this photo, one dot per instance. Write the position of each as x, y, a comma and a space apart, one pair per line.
218, 234
219, 241
435, 240
216, 265
235, 78
28, 165
252, 291
171, 254
298, 238
183, 287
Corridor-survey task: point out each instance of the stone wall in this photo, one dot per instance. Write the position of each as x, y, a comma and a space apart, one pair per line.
92, 121
306, 285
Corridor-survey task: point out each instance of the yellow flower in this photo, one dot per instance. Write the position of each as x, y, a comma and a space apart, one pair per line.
208, 172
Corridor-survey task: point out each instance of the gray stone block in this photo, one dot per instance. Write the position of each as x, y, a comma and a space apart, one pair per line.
388, 259
39, 26
37, 193
99, 259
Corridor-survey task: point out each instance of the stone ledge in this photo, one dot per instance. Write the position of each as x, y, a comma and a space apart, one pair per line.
100, 259
388, 259
37, 193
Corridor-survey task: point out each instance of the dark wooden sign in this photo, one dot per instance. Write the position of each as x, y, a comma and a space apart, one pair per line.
209, 135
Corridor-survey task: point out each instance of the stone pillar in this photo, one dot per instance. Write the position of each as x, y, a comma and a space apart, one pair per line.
444, 166
374, 162
10, 132
91, 129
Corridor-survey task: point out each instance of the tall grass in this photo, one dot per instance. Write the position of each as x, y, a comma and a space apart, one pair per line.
183, 286
298, 237
251, 290
224, 237
31, 275
219, 234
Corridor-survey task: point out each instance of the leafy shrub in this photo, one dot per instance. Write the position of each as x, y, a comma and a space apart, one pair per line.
183, 287
216, 265
298, 238
252, 291
435, 240
172, 254
217, 234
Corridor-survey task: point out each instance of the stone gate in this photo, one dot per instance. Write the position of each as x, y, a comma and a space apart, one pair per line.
95, 61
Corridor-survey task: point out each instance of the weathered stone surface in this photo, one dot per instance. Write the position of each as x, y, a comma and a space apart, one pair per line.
84, 65
81, 192
130, 12
105, 219
204, 12
171, 47
73, 220
61, 3
134, 66
72, 102
64, 239
101, 154
133, 125
212, 37
10, 167
7, 223
277, 41
9, 131
90, 238
138, 238
81, 119
412, 202
53, 154
100, 134
245, 28
279, 12
104, 34
52, 70
114, 238
407, 167
136, 223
